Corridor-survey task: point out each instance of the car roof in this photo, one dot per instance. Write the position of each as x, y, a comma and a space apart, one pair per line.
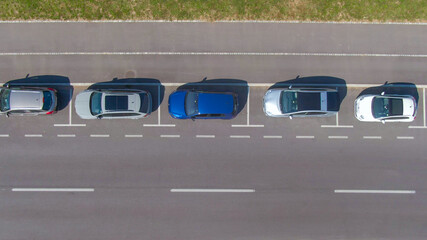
26, 99
309, 101
215, 103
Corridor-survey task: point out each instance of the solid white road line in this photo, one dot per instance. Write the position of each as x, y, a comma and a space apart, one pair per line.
53, 189
240, 136
33, 135
66, 135
273, 137
170, 136
215, 54
68, 125
305, 137
372, 137
194, 190
134, 136
405, 137
338, 137
375, 191
100, 135
4, 135
205, 136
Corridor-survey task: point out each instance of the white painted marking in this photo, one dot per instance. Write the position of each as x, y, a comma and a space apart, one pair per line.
424, 106
100, 135
4, 135
240, 136
68, 125
372, 137
219, 21
170, 136
134, 136
241, 126
194, 190
417, 126
272, 136
66, 135
305, 137
213, 54
205, 136
405, 137
159, 125
53, 189
336, 126
338, 137
33, 135
248, 106
376, 191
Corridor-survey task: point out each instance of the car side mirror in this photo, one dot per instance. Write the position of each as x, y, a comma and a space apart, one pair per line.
99, 117
290, 87
383, 121
8, 114
290, 117
382, 94
193, 118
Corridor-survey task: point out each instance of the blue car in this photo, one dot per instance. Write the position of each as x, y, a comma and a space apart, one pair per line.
188, 104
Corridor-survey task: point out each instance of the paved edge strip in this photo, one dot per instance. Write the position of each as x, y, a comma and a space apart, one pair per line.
53, 189
195, 190
218, 21
375, 191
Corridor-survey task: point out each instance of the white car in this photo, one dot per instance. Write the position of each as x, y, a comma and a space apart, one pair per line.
385, 108
113, 104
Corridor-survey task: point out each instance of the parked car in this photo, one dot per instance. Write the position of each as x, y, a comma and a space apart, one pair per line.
113, 104
189, 104
385, 108
301, 102
27, 101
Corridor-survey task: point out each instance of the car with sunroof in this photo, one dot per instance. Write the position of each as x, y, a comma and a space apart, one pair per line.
301, 102
385, 108
192, 104
27, 101
113, 104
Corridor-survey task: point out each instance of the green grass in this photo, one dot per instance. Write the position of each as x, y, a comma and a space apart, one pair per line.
210, 10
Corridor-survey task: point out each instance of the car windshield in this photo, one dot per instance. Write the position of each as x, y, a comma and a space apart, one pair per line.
288, 102
386, 107
4, 102
190, 102
95, 103
47, 100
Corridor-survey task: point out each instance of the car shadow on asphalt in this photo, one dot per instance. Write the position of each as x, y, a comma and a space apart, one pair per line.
60, 83
151, 85
316, 82
398, 88
240, 87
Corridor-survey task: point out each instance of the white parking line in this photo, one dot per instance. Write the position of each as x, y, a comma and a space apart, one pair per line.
338, 137
158, 125
100, 135
53, 189
66, 135
194, 190
69, 124
4, 135
240, 136
273, 137
33, 135
372, 137
405, 137
336, 126
170, 136
424, 112
205, 136
134, 136
375, 191
305, 137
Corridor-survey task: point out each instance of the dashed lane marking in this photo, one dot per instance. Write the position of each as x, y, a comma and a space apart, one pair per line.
33, 135
66, 135
170, 136
100, 135
4, 135
205, 136
305, 137
53, 189
338, 137
240, 136
133, 136
196, 190
277, 137
375, 191
405, 137
372, 137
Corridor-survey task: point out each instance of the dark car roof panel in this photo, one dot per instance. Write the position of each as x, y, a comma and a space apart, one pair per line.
216, 103
116, 103
308, 101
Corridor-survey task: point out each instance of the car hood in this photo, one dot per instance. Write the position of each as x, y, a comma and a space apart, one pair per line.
215, 103
176, 104
272, 102
409, 106
363, 108
82, 105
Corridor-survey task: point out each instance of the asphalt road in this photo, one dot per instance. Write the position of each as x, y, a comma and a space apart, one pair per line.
66, 178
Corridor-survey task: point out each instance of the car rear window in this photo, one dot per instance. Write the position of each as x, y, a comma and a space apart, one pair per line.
4, 100
47, 100
116, 103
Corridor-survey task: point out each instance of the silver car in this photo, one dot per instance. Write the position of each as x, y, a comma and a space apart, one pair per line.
23, 101
113, 104
301, 102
